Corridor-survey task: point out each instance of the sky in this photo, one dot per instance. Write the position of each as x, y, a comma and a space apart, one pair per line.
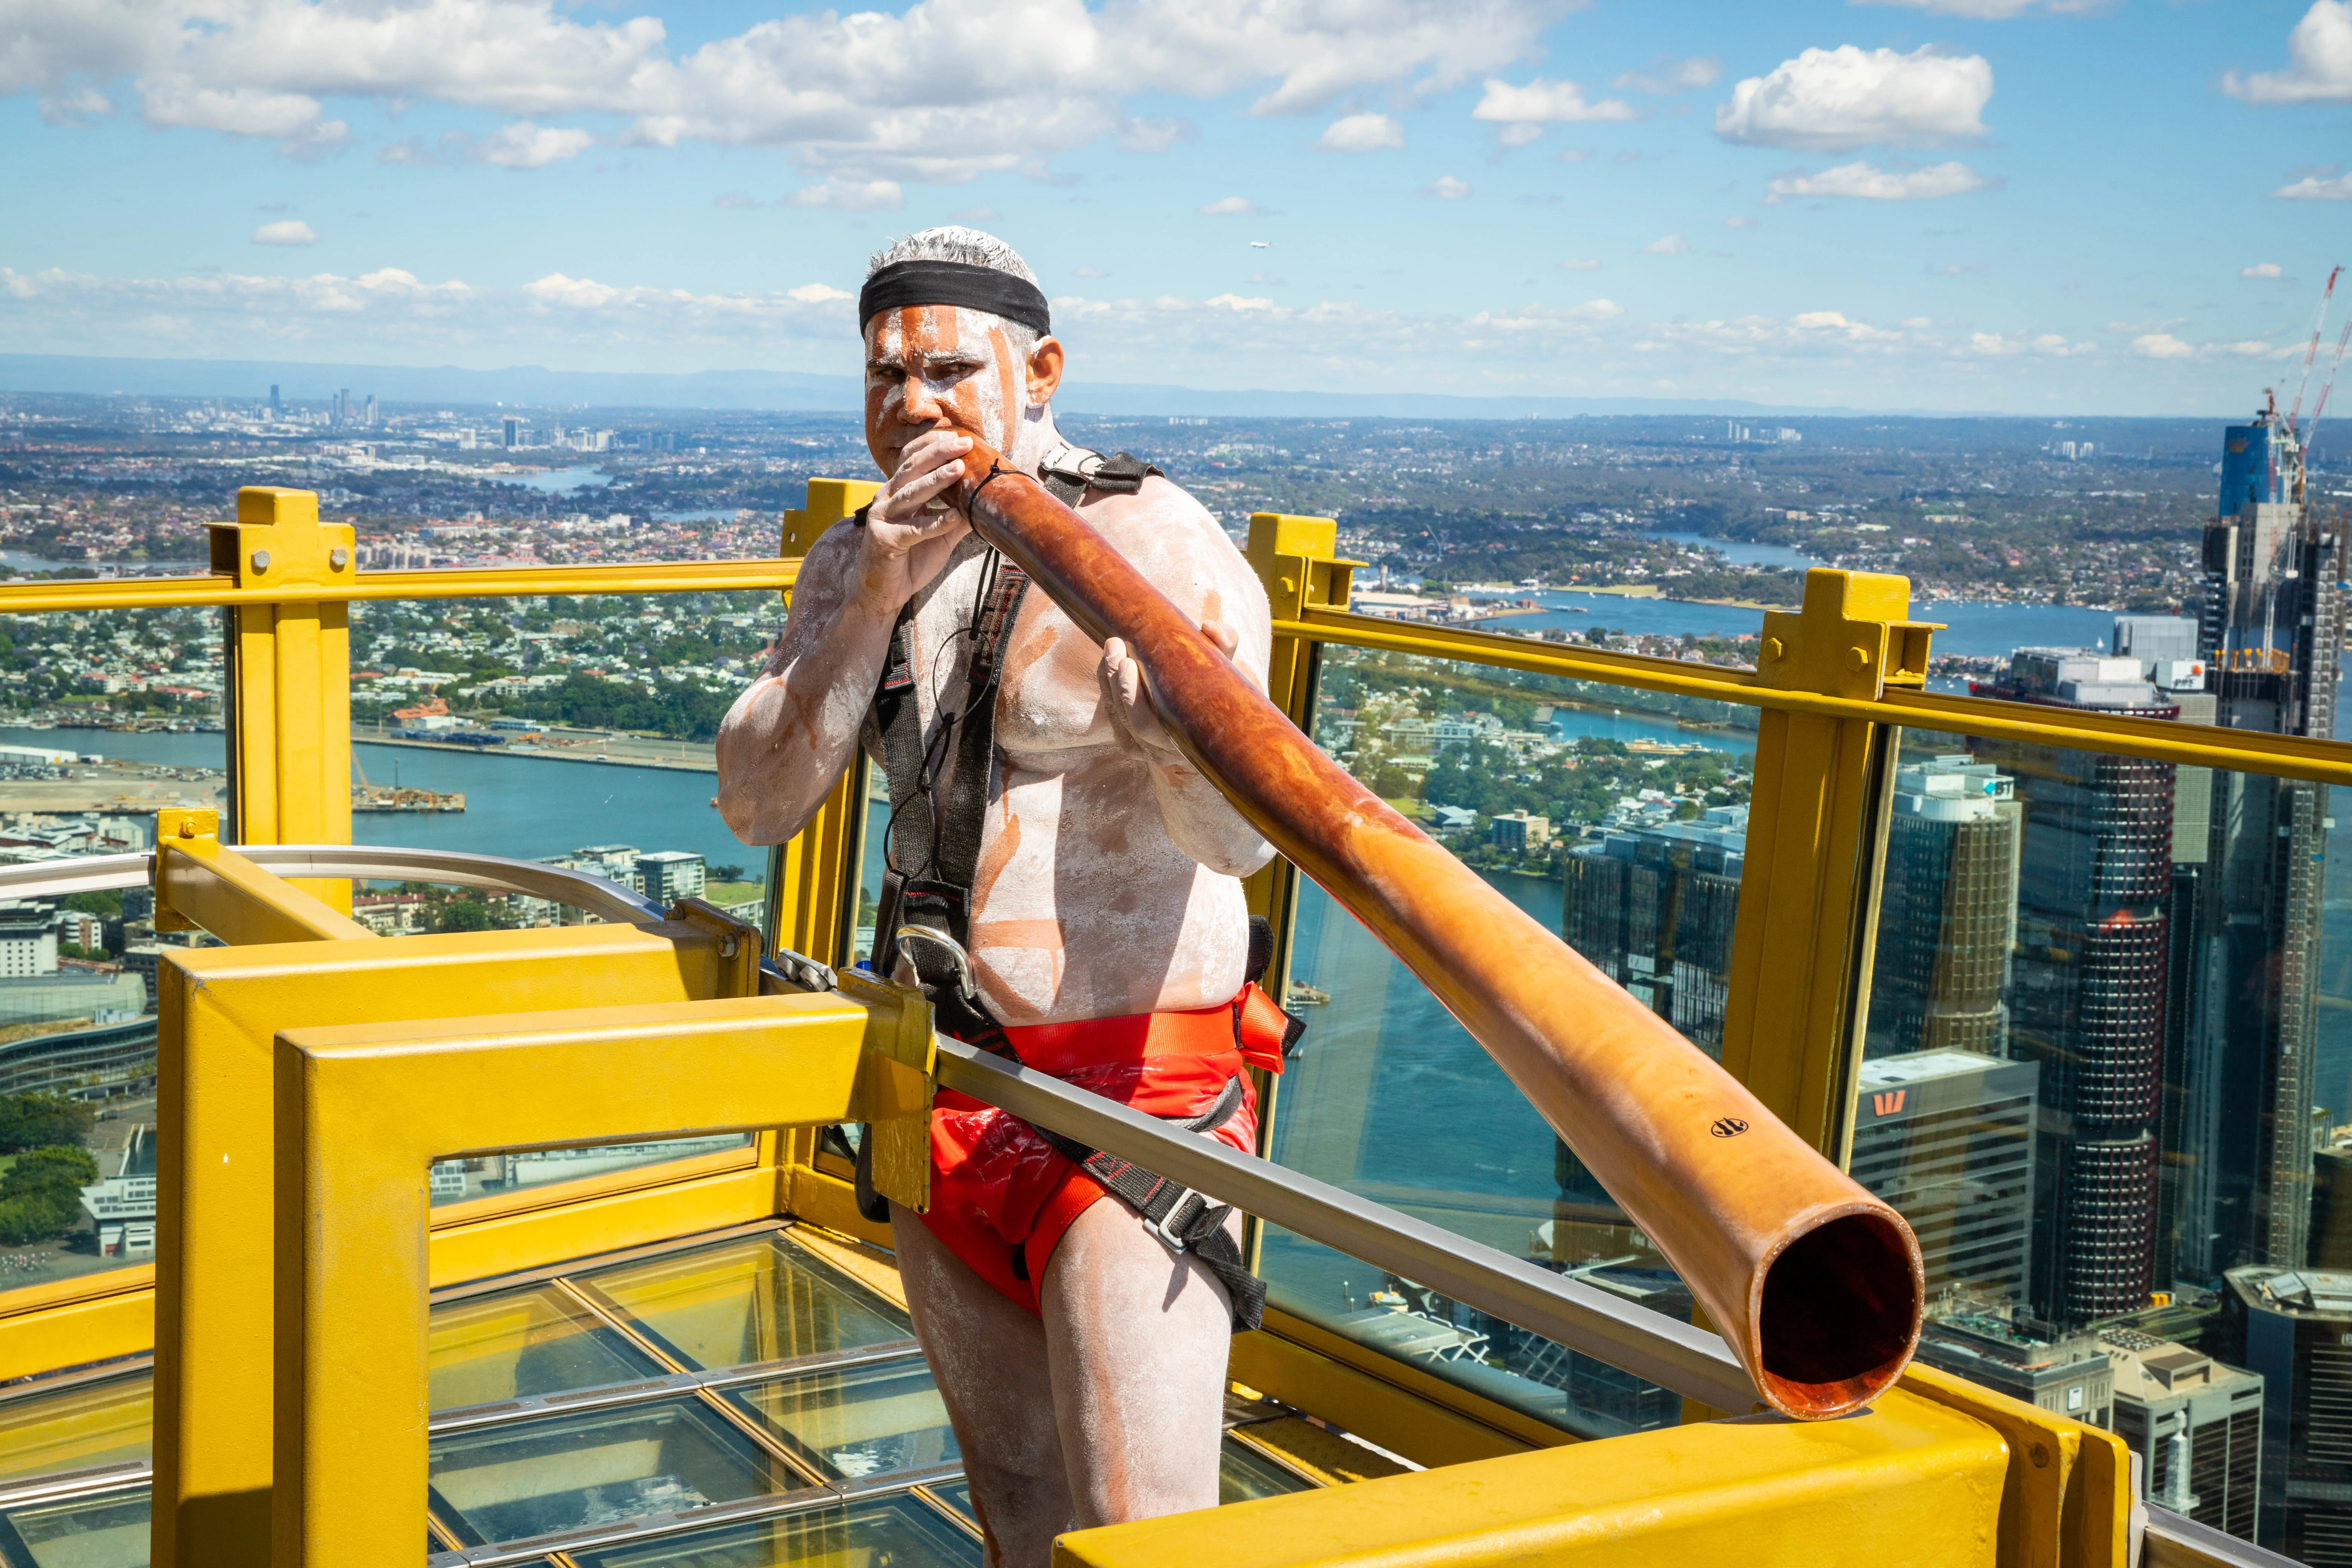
2081, 207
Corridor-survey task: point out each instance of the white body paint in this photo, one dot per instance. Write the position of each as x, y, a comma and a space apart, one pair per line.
1107, 886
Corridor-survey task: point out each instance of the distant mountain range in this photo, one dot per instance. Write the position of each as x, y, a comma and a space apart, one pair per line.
535, 386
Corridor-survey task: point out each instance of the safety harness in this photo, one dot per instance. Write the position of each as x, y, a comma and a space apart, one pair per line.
933, 851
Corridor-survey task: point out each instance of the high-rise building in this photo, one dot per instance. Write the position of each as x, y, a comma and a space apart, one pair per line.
2196, 1424
2054, 1369
2271, 635
1948, 910
2293, 1328
665, 876
2093, 960
368, 413
1654, 909
511, 429
275, 407
1948, 1137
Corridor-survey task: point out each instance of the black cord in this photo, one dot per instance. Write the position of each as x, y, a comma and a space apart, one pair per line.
996, 471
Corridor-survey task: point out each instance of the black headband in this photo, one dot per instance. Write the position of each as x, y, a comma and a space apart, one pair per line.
904, 283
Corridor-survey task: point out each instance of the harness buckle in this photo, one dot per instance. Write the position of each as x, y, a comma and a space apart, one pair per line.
1190, 1218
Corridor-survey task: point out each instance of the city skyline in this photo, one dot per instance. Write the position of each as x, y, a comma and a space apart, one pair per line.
1956, 204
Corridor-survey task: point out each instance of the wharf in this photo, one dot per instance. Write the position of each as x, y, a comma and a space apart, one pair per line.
619, 750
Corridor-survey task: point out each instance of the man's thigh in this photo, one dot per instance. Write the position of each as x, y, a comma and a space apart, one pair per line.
1138, 1338
991, 1361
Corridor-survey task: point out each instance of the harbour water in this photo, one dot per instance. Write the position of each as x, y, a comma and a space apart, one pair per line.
1970, 626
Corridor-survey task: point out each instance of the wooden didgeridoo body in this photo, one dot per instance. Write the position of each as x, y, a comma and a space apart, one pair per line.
1816, 1284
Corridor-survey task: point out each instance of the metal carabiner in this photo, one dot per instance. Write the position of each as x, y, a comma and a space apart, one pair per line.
964, 986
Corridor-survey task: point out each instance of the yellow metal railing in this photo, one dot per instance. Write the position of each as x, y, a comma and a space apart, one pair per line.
1839, 676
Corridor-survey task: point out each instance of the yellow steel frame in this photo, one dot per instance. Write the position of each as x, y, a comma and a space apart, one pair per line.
388, 1018
219, 1008
365, 1108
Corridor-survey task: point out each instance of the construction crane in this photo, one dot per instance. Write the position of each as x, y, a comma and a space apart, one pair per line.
2312, 352
2326, 387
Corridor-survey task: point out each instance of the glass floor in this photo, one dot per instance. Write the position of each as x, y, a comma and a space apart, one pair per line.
748, 1400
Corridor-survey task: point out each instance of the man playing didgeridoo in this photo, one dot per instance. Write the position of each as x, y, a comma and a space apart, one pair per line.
1071, 881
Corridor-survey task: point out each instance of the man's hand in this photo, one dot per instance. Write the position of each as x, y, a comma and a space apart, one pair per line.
1126, 696
910, 531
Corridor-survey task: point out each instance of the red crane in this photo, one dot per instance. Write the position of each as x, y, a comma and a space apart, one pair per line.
2312, 353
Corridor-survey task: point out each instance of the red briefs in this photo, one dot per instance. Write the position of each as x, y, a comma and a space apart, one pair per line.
1001, 1196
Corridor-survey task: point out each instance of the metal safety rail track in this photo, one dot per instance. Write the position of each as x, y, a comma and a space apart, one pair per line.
361, 862
1670, 1354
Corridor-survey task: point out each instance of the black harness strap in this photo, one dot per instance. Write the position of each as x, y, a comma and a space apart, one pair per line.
932, 854
1182, 1220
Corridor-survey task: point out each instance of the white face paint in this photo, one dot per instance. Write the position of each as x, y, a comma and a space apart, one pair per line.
930, 367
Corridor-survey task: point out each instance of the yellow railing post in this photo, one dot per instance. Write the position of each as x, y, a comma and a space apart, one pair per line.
1817, 819
219, 1008
813, 881
364, 1108
290, 685
1297, 561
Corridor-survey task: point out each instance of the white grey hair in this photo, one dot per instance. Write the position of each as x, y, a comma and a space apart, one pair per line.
953, 242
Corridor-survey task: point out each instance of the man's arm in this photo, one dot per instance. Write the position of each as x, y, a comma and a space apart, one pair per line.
786, 740
1206, 578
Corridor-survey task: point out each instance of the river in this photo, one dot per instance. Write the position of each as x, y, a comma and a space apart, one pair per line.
1971, 626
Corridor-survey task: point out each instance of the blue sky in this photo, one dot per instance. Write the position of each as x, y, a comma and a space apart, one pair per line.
2012, 204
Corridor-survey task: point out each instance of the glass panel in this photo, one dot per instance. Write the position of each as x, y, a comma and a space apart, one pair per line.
1614, 815
2106, 1069
572, 1471
758, 1300
105, 718
75, 1428
473, 717
872, 859
521, 1344
485, 1175
108, 1532
1244, 1473
858, 1423
957, 1495
901, 1531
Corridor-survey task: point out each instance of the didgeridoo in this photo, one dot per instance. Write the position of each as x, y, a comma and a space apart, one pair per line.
1815, 1283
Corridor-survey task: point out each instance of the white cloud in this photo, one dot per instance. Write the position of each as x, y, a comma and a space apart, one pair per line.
975, 215
816, 293
850, 197
850, 94
1549, 101
2312, 188
1597, 311
1519, 134
1985, 10
1742, 221
1446, 188
2161, 345
2260, 269
1362, 134
523, 145
1918, 323
2319, 51
1156, 135
1234, 206
1670, 245
1869, 182
287, 231
1580, 264
1666, 75
1092, 272
736, 202
1834, 100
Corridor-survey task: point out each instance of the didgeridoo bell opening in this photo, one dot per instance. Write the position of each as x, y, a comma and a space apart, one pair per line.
1837, 1315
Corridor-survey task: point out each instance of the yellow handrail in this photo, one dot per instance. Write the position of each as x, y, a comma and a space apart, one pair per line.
486, 583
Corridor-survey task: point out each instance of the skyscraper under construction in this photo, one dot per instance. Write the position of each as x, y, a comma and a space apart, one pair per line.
2271, 635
